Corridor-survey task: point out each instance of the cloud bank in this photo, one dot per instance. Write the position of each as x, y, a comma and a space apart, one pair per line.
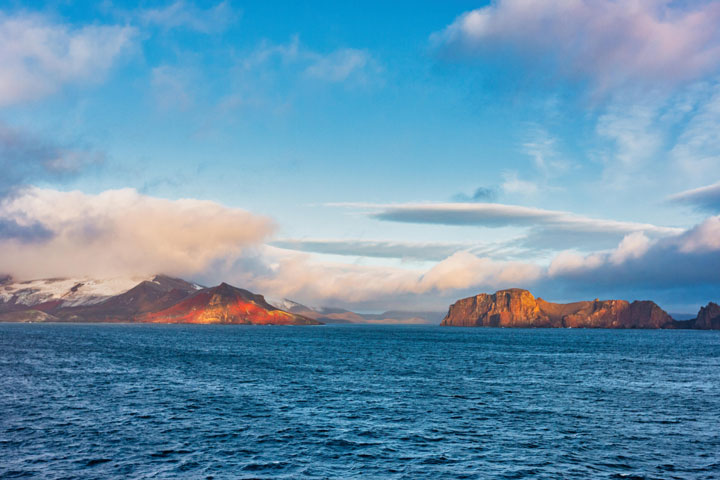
49, 233
120, 232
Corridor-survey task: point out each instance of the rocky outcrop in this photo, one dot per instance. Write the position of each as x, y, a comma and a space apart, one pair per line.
708, 317
517, 308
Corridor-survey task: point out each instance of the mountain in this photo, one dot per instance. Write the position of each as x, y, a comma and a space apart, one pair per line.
519, 308
340, 315
161, 299
226, 304
59, 292
148, 296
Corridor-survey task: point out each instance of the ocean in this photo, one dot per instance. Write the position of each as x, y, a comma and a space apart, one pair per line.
355, 401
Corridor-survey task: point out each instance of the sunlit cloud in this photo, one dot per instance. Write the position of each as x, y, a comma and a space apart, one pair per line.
120, 232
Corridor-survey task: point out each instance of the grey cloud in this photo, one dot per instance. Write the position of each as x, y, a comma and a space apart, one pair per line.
500, 215
481, 194
12, 230
26, 158
704, 198
683, 269
380, 249
547, 230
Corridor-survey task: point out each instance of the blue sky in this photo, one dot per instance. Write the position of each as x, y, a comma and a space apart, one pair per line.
367, 154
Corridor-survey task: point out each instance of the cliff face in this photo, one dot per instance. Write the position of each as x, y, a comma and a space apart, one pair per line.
519, 308
708, 317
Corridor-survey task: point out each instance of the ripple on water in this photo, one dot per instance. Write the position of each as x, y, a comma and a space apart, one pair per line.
162, 401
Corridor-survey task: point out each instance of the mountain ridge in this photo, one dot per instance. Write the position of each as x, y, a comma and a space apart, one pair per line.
159, 299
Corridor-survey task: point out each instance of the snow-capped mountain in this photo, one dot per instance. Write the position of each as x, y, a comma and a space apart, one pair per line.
69, 292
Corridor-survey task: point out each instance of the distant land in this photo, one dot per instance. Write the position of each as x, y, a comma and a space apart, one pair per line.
164, 299
340, 315
518, 308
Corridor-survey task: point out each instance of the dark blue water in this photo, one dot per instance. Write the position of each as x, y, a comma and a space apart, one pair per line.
166, 401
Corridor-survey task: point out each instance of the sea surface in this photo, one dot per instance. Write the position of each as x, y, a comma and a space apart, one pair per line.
174, 401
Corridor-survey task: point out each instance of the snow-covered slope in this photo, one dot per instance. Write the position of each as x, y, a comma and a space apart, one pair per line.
288, 305
71, 292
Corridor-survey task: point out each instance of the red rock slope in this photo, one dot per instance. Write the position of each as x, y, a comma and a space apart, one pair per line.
225, 304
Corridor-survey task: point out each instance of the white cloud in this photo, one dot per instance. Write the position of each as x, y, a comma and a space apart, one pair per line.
181, 14
172, 87
515, 186
697, 150
39, 57
463, 270
542, 148
703, 238
340, 65
121, 232
289, 274
633, 130
632, 246
610, 42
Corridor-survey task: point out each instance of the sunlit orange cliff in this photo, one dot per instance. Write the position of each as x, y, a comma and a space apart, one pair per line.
520, 309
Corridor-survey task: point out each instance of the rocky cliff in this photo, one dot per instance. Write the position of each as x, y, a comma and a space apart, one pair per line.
708, 317
519, 308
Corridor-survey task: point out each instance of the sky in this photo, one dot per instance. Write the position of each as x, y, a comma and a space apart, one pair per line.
368, 155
